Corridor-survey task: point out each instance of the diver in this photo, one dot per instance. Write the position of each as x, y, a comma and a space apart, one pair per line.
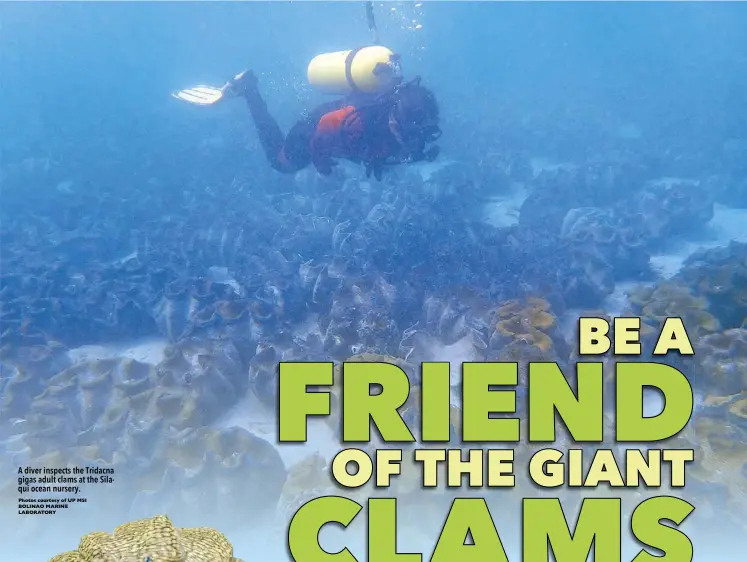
381, 120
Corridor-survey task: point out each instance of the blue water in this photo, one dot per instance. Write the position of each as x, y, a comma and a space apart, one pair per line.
132, 221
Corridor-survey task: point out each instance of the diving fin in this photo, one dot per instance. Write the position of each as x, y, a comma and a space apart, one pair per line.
202, 95
242, 83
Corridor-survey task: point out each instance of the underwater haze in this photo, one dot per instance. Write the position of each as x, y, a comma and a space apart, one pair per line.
155, 268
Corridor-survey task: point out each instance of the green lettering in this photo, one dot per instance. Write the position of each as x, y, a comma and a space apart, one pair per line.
303, 532
546, 529
295, 403
479, 402
631, 379
550, 391
435, 402
647, 528
359, 407
382, 533
469, 516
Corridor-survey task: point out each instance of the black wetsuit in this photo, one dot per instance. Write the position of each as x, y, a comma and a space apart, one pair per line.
353, 128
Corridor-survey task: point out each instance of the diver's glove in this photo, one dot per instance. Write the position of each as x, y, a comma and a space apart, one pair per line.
321, 146
241, 85
375, 168
423, 155
432, 153
325, 167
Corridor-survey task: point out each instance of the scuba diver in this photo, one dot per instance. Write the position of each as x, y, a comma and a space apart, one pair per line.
381, 120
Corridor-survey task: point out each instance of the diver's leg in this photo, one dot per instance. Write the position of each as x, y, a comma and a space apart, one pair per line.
270, 136
287, 154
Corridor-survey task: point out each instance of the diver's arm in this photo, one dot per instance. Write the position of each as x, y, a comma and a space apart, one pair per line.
432, 153
321, 146
333, 129
376, 166
427, 155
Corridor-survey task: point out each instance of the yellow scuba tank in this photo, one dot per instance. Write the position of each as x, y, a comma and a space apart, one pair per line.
371, 70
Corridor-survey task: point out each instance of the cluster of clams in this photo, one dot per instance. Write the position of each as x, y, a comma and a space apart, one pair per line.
237, 277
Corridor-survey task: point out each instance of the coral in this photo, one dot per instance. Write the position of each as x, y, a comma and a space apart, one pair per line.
533, 314
602, 235
311, 478
608, 239
717, 435
172, 470
151, 423
358, 319
238, 277
720, 275
446, 319
244, 473
586, 279
154, 539
104, 399
371, 358
669, 206
722, 362
654, 304
709, 296
308, 478
230, 262
592, 184
733, 407
526, 330
335, 394
23, 373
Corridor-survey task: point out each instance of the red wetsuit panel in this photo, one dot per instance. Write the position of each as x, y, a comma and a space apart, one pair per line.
337, 135
343, 122
340, 134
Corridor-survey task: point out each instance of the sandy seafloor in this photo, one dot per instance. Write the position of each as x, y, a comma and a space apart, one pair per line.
727, 225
